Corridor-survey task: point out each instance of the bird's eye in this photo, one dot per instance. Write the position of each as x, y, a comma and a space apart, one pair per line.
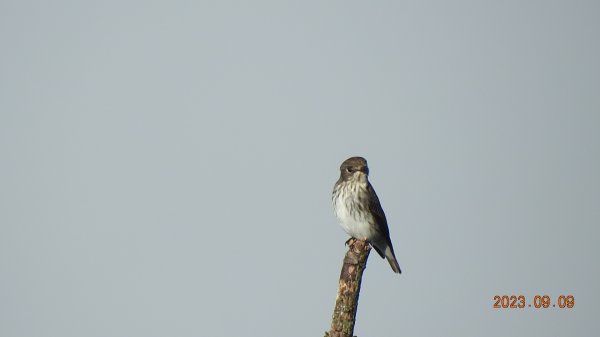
349, 169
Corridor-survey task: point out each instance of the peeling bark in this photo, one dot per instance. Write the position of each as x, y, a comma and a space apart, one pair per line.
346, 303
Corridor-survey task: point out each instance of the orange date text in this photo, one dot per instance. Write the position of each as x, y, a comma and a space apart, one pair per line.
538, 302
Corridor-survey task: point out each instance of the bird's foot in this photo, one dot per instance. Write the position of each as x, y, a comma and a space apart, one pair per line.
350, 241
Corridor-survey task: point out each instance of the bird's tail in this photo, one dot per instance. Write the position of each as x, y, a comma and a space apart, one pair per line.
391, 258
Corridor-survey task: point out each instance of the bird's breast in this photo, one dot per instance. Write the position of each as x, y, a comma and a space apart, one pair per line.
351, 209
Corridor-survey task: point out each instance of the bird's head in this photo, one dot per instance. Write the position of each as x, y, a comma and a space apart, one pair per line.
354, 169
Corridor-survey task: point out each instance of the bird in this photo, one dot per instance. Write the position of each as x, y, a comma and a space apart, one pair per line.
359, 211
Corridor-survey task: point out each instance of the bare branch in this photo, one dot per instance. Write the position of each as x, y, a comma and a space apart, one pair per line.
346, 303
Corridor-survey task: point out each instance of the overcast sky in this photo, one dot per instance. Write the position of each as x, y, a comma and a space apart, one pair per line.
166, 167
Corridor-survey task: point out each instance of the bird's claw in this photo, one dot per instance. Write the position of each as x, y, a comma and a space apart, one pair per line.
350, 241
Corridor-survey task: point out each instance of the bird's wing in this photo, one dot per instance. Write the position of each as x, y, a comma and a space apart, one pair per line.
378, 213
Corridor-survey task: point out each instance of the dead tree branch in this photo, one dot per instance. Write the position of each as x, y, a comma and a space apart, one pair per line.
346, 303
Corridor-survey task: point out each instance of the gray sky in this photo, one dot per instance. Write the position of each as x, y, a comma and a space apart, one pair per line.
166, 167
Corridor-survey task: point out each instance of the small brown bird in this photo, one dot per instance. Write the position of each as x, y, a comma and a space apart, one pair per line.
358, 209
